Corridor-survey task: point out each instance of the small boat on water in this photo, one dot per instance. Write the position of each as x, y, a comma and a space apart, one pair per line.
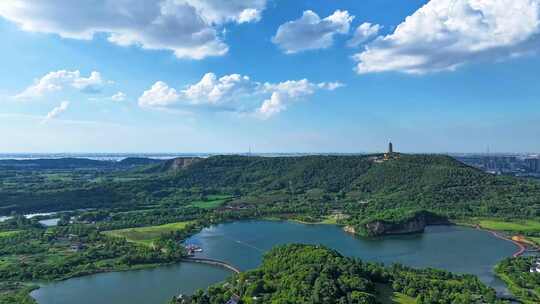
192, 249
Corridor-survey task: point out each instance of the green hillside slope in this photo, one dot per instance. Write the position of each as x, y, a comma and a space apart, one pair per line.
431, 182
316, 185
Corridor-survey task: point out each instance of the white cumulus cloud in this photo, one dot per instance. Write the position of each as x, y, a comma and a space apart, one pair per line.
272, 106
91, 84
234, 92
186, 27
310, 32
55, 112
363, 33
330, 86
58, 80
284, 93
219, 12
215, 90
445, 34
120, 96
249, 15
160, 95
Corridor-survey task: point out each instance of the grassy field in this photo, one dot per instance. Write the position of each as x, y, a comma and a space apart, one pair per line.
8, 233
514, 226
334, 218
213, 201
327, 220
388, 296
58, 177
146, 235
330, 220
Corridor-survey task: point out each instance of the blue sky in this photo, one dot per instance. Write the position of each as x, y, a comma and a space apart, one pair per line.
281, 76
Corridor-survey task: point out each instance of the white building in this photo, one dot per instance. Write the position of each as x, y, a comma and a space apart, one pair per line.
536, 267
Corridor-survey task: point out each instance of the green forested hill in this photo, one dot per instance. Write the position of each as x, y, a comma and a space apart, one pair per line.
315, 274
73, 163
330, 173
431, 182
309, 184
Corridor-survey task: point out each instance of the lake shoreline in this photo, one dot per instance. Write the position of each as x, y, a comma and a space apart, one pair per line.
38, 284
153, 266
522, 248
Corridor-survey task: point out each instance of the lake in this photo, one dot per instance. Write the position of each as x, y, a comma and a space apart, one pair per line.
28, 216
454, 248
50, 222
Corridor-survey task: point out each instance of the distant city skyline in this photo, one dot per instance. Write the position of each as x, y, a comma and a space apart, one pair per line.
270, 76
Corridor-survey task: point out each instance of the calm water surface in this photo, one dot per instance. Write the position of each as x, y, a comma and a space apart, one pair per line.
457, 249
50, 222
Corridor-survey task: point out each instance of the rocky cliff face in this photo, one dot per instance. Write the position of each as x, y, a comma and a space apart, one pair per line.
405, 223
413, 225
181, 163
349, 229
173, 165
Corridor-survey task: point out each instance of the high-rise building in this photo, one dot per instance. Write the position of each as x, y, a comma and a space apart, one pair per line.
390, 148
533, 164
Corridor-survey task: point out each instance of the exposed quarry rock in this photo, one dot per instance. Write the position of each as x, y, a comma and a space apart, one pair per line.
172, 165
349, 229
181, 163
414, 225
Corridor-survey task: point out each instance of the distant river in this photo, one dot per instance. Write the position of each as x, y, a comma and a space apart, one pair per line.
457, 249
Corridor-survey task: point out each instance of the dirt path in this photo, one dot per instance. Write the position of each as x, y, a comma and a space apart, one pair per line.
521, 248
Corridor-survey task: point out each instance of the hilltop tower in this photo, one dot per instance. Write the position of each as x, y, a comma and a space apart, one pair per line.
390, 153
